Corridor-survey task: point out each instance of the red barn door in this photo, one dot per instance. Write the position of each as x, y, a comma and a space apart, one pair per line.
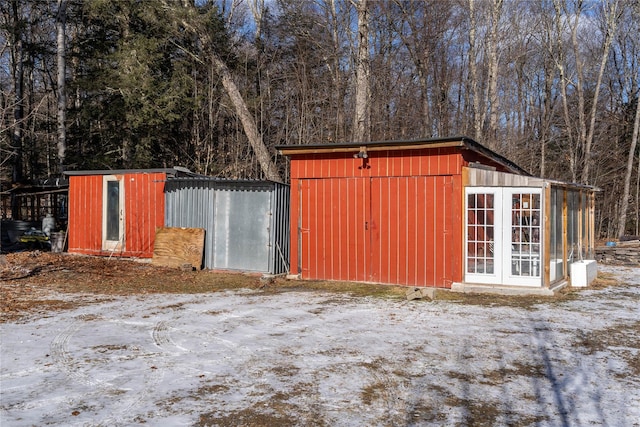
399, 230
413, 237
334, 215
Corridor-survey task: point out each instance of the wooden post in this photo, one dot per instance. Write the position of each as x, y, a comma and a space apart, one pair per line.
546, 230
581, 229
565, 263
592, 224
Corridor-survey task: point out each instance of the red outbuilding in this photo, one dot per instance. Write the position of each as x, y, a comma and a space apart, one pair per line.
116, 212
444, 212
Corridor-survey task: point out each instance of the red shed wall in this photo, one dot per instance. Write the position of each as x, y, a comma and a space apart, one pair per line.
395, 217
143, 213
85, 214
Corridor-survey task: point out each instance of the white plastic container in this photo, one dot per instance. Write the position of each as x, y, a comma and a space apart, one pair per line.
48, 224
583, 273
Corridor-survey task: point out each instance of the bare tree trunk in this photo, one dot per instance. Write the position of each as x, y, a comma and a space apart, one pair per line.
492, 90
17, 81
338, 84
254, 137
362, 116
638, 199
582, 122
560, 64
62, 99
611, 26
250, 128
473, 72
627, 177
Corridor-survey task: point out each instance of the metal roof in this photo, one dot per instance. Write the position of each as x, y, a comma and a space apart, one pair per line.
219, 180
452, 141
174, 171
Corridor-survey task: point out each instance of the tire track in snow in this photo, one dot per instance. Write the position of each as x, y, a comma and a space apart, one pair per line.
125, 399
162, 338
61, 356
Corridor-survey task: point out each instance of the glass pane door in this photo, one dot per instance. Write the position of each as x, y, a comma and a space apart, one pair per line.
525, 244
112, 213
503, 236
483, 246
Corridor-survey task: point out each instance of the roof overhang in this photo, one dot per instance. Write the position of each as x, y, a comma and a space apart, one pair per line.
461, 142
175, 171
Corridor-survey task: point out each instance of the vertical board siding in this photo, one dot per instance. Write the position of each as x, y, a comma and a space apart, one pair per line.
85, 214
295, 225
246, 223
394, 218
334, 221
420, 162
397, 230
143, 213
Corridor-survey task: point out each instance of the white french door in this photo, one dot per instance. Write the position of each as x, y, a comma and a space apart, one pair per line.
503, 236
112, 213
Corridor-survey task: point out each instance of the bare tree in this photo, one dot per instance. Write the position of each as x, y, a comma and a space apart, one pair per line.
611, 16
362, 116
61, 19
491, 99
14, 24
254, 137
633, 35
473, 72
627, 177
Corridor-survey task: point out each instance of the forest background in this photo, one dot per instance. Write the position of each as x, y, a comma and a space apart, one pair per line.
215, 85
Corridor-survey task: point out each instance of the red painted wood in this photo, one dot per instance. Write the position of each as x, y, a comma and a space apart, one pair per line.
294, 222
143, 213
144, 201
392, 218
333, 229
85, 213
414, 220
421, 162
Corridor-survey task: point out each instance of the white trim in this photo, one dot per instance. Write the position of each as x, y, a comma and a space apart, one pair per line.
503, 249
537, 266
496, 276
113, 245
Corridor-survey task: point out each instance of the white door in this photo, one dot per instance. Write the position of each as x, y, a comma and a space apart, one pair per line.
523, 216
112, 213
503, 236
483, 253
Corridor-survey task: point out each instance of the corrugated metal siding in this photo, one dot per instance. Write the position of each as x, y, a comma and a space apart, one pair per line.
143, 213
279, 254
246, 222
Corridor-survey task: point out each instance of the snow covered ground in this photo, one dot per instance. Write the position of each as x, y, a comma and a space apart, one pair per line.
310, 358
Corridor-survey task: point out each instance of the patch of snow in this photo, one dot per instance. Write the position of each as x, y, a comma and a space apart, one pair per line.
316, 358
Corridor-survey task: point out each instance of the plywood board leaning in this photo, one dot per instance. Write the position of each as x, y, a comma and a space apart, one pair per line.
176, 246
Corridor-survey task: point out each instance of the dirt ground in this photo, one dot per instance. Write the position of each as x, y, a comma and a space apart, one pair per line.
29, 282
34, 284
